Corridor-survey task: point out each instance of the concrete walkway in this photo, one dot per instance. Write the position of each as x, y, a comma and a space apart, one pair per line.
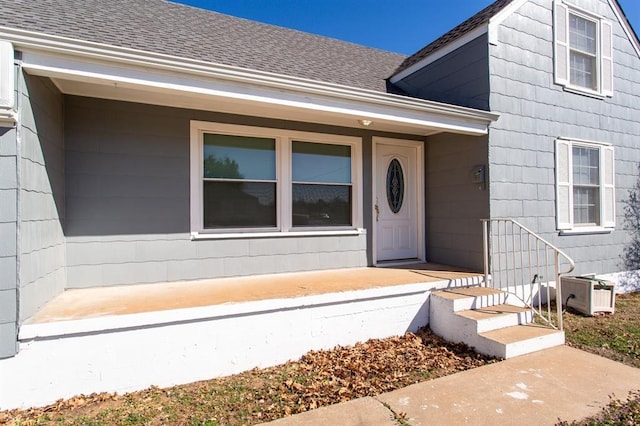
538, 389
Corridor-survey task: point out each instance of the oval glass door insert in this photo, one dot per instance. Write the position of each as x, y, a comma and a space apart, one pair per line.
395, 185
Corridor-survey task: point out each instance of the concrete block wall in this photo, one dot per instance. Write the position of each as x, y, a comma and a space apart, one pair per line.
127, 202
455, 205
534, 112
42, 194
8, 241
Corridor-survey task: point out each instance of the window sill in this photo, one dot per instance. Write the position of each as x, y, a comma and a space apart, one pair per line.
585, 92
587, 230
275, 234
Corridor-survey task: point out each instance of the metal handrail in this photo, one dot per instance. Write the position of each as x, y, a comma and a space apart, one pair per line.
504, 262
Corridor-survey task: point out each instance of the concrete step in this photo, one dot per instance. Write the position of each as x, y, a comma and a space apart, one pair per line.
518, 340
481, 318
496, 317
463, 299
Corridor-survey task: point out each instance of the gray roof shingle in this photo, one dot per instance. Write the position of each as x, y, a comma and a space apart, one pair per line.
168, 28
467, 26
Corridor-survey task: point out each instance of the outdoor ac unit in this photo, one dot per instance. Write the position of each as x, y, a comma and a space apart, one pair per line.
588, 295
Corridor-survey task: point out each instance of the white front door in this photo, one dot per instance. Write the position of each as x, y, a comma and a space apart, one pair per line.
398, 200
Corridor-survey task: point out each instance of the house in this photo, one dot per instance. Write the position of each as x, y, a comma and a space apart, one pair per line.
151, 142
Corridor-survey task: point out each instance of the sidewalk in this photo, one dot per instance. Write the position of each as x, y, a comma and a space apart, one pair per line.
538, 389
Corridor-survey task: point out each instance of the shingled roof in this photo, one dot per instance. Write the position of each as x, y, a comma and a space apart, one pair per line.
168, 28
467, 26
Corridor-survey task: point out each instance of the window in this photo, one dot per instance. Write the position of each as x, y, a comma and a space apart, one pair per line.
583, 51
258, 180
585, 194
321, 188
239, 182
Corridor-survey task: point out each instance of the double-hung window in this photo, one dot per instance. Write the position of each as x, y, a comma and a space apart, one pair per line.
251, 180
584, 186
583, 51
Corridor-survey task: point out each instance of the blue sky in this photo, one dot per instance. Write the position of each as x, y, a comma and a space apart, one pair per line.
402, 26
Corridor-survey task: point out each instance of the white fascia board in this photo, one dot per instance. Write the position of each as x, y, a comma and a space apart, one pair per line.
625, 25
498, 18
93, 62
490, 28
440, 53
7, 76
406, 111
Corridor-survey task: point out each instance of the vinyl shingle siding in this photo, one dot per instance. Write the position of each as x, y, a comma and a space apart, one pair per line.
534, 112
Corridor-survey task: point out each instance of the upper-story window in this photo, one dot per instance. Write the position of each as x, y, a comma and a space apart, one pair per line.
583, 51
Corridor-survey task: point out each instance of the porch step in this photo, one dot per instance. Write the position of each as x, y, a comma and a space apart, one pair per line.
463, 299
482, 318
510, 342
496, 317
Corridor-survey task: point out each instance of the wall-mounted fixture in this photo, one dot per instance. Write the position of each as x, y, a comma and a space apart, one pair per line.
478, 175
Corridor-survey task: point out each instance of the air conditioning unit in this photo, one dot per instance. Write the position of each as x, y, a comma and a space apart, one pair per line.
588, 295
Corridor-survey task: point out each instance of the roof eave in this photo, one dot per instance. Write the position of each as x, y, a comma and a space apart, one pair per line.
440, 53
46, 44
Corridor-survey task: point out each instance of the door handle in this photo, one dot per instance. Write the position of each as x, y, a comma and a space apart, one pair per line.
377, 209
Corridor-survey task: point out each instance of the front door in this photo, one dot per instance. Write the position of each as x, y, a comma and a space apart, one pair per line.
398, 200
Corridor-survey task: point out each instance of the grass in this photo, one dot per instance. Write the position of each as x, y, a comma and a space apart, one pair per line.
613, 336
326, 377
616, 337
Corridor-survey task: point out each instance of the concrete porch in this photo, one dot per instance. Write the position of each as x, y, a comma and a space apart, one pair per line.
126, 338
78, 304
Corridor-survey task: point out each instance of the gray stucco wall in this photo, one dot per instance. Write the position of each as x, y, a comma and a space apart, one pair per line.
127, 202
534, 112
459, 78
42, 194
455, 205
8, 241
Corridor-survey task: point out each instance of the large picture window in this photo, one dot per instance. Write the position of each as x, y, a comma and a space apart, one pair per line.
258, 180
584, 185
583, 51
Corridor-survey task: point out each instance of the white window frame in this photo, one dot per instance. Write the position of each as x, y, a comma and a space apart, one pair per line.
564, 187
283, 139
562, 50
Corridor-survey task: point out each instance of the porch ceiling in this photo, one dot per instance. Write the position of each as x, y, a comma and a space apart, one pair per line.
307, 113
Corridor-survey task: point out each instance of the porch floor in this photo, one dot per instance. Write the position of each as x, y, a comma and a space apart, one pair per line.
133, 299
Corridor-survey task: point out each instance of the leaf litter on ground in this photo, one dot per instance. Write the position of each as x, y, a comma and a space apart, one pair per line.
318, 379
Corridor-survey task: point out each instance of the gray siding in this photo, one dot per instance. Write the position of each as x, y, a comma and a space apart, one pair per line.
455, 205
127, 202
8, 241
459, 78
534, 112
42, 193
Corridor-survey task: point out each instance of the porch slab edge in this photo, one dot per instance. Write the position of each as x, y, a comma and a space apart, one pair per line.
175, 316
